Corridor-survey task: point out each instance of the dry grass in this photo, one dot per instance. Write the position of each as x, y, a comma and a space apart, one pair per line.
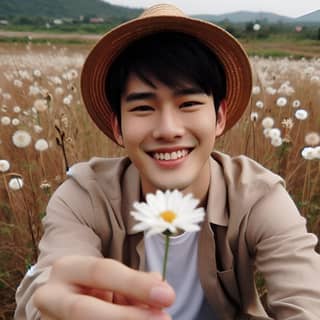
45, 69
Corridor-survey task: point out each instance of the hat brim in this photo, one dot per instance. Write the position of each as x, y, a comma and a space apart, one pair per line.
225, 46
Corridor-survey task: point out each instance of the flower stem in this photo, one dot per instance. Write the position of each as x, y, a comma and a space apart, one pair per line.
165, 259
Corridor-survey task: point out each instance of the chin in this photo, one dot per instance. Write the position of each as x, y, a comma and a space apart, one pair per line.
172, 185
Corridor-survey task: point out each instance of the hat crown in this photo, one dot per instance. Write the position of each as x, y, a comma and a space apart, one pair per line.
162, 9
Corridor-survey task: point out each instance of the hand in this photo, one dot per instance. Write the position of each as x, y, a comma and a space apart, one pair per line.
95, 288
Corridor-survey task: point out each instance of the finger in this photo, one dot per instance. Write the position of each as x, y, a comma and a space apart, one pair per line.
55, 301
111, 275
97, 293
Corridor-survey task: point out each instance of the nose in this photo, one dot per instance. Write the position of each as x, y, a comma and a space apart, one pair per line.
169, 125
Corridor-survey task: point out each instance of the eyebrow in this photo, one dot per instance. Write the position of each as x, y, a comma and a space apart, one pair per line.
151, 95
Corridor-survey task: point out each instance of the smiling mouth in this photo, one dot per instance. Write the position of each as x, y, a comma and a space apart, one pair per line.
169, 156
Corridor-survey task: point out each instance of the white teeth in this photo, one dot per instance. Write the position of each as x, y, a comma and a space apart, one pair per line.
170, 156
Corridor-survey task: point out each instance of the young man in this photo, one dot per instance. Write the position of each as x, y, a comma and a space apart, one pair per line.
164, 86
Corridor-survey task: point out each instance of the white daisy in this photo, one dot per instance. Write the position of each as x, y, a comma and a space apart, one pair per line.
169, 211
15, 183
4, 165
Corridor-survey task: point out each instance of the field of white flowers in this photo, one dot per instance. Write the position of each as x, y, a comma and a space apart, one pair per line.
44, 130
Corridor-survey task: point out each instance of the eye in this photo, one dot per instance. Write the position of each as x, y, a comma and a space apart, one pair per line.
188, 104
141, 108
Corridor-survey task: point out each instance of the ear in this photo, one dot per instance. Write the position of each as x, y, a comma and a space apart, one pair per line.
116, 130
221, 118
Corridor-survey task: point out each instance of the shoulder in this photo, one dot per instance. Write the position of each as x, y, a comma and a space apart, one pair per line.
243, 172
89, 182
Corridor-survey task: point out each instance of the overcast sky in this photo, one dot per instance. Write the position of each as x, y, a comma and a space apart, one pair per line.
291, 8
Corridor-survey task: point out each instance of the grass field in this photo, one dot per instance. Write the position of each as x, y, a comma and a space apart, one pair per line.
40, 103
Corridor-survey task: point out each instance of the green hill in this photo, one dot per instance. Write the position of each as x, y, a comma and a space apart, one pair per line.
64, 9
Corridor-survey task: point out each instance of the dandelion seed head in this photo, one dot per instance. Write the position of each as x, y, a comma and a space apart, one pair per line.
315, 79
256, 90
271, 91
34, 90
308, 153
56, 80
286, 88
37, 73
5, 121
267, 122
301, 114
15, 183
21, 139
24, 74
16, 109
17, 83
15, 121
256, 27
40, 105
274, 133
41, 145
37, 128
58, 91
266, 132
276, 141
316, 151
296, 103
67, 100
4, 165
281, 102
254, 116
259, 104
312, 139
6, 96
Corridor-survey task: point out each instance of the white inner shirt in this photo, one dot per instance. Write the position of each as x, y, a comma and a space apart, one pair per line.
182, 273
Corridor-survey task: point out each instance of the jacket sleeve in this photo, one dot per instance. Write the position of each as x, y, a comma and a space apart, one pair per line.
69, 229
285, 254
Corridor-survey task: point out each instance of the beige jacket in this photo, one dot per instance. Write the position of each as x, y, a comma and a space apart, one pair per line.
251, 223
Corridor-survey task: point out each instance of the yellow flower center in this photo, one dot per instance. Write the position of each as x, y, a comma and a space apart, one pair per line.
168, 216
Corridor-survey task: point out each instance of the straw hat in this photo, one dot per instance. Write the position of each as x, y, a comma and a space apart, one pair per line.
164, 17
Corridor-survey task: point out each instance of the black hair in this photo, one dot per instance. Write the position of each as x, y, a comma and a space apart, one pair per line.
172, 58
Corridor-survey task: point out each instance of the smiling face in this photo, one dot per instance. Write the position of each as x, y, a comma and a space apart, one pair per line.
169, 134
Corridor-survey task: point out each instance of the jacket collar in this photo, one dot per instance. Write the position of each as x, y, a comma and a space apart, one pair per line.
217, 196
